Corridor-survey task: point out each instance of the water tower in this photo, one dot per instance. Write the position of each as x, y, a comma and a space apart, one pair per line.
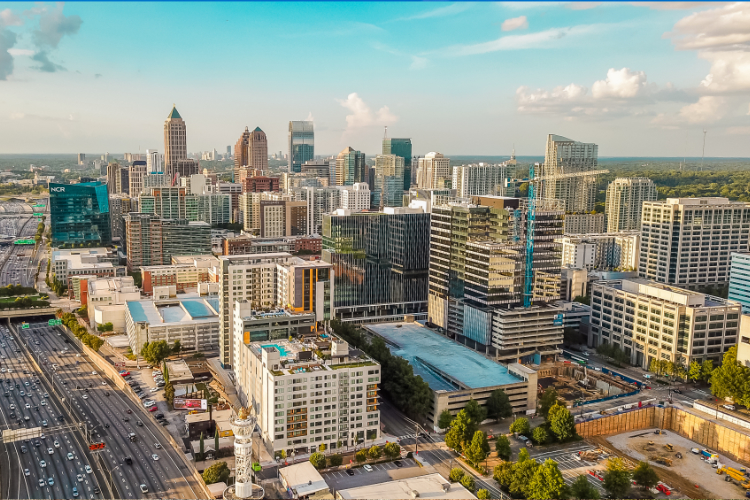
243, 426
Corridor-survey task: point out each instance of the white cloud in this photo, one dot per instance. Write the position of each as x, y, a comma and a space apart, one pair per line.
541, 39
8, 18
708, 109
515, 23
559, 99
729, 73
620, 83
360, 115
716, 29
447, 10
21, 52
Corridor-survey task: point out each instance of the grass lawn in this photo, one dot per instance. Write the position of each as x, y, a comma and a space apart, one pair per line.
4, 300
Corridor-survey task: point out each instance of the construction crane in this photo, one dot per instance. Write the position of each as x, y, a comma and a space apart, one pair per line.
528, 285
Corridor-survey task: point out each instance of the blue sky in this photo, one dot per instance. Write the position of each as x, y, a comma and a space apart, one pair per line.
460, 78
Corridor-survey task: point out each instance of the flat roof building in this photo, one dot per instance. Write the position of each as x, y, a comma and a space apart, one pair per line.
79, 214
433, 486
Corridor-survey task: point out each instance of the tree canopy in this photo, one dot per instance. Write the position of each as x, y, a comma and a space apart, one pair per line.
616, 478
645, 475
561, 423
583, 489
217, 473
521, 426
502, 447
547, 401
547, 482
498, 405
155, 352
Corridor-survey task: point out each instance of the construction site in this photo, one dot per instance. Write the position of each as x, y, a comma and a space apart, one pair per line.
577, 384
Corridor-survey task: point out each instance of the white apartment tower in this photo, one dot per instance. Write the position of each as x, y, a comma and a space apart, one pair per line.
566, 156
356, 197
433, 171
625, 197
688, 241
153, 161
481, 179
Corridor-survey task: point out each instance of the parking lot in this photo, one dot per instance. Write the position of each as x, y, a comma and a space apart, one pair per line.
570, 468
381, 473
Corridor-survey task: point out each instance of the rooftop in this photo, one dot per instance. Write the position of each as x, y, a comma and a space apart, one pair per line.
303, 479
442, 363
668, 293
179, 310
432, 486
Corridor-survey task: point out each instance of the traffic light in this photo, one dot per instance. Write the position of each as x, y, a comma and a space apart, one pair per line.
96, 446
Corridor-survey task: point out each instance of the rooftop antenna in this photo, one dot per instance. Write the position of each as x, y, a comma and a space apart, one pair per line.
513, 154
704, 148
385, 134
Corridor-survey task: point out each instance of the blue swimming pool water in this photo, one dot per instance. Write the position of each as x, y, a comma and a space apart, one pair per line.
281, 350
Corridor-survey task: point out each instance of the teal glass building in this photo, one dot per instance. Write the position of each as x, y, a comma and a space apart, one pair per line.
402, 148
301, 144
79, 214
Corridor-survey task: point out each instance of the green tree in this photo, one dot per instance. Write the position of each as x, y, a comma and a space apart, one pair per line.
478, 449
483, 494
392, 450
547, 482
361, 456
694, 372
336, 460
374, 452
445, 419
547, 401
645, 475
461, 432
731, 378
201, 447
502, 447
561, 423
616, 478
456, 474
476, 413
583, 299
318, 460
177, 347
680, 371
539, 435
707, 368
165, 371
523, 473
521, 426
583, 489
156, 352
498, 405
322, 447
523, 455
217, 473
216, 441
468, 482
503, 474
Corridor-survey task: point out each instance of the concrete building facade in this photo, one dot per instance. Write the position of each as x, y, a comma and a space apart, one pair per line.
625, 197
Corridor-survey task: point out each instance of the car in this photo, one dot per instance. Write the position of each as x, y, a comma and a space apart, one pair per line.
124, 374
26, 382
144, 488
157, 446
26, 472
106, 425
104, 382
50, 451
153, 389
97, 490
106, 393
22, 393
125, 419
23, 449
44, 423
28, 406
42, 484
85, 396
64, 382
139, 423
75, 492
42, 464
159, 415
350, 472
12, 406
160, 384
153, 408
26, 418
70, 456
129, 411
88, 468
37, 444
729, 407
142, 395
367, 467
43, 403
51, 481
677, 391
163, 422
57, 443
398, 463
80, 478
155, 457
149, 404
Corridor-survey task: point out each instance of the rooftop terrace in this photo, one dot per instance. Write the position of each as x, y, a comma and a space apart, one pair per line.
442, 363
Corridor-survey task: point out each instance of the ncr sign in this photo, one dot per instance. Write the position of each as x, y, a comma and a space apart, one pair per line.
57, 189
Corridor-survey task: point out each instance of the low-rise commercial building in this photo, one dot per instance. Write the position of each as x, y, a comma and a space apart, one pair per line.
433, 486
185, 273
194, 321
107, 299
455, 373
650, 320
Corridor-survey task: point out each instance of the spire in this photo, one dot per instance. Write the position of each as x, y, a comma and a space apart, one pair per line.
385, 134
174, 113
247, 130
513, 154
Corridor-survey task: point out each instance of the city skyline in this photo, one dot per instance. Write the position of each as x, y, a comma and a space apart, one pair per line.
473, 79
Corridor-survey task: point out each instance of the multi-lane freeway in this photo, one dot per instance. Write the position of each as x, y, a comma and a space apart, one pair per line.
39, 467
19, 267
145, 461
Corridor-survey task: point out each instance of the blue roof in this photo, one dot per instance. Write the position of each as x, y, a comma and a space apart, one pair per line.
137, 312
197, 309
438, 359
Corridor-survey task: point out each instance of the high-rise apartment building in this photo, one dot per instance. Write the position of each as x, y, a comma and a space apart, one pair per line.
81, 159
79, 214
355, 197
301, 144
241, 154
688, 241
320, 200
234, 191
380, 261
650, 320
153, 162
608, 251
566, 156
136, 174
739, 280
400, 147
182, 203
152, 241
175, 142
483, 179
350, 167
119, 205
625, 197
478, 274
389, 180
434, 171
280, 218
585, 223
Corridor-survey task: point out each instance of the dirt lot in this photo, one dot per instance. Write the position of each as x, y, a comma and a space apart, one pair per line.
684, 473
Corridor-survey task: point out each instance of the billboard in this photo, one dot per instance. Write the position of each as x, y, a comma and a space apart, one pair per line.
190, 404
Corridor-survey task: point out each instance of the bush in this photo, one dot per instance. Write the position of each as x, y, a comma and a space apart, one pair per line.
456, 474
318, 460
336, 460
521, 426
539, 435
483, 494
392, 450
361, 456
217, 473
374, 452
468, 483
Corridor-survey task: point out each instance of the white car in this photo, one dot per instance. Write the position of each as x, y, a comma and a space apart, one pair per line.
157, 446
42, 464
50, 451
155, 457
43, 403
26, 472
93, 373
728, 407
104, 382
42, 483
70, 456
153, 389
57, 443
85, 396
80, 478
12, 407
88, 469
28, 406
367, 467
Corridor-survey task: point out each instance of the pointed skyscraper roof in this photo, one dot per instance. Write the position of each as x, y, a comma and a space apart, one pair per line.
257, 129
174, 113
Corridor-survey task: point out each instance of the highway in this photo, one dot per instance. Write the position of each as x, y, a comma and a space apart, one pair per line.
20, 377
19, 267
111, 416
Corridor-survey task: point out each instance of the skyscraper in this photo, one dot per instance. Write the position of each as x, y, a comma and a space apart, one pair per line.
137, 172
389, 177
625, 197
566, 156
350, 167
301, 144
434, 171
175, 141
258, 150
153, 161
402, 148
79, 214
483, 179
241, 154
81, 158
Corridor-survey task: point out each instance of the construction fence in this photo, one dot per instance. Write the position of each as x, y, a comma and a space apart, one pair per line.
712, 435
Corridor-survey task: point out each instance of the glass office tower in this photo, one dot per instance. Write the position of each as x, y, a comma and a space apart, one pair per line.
301, 144
402, 148
79, 214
